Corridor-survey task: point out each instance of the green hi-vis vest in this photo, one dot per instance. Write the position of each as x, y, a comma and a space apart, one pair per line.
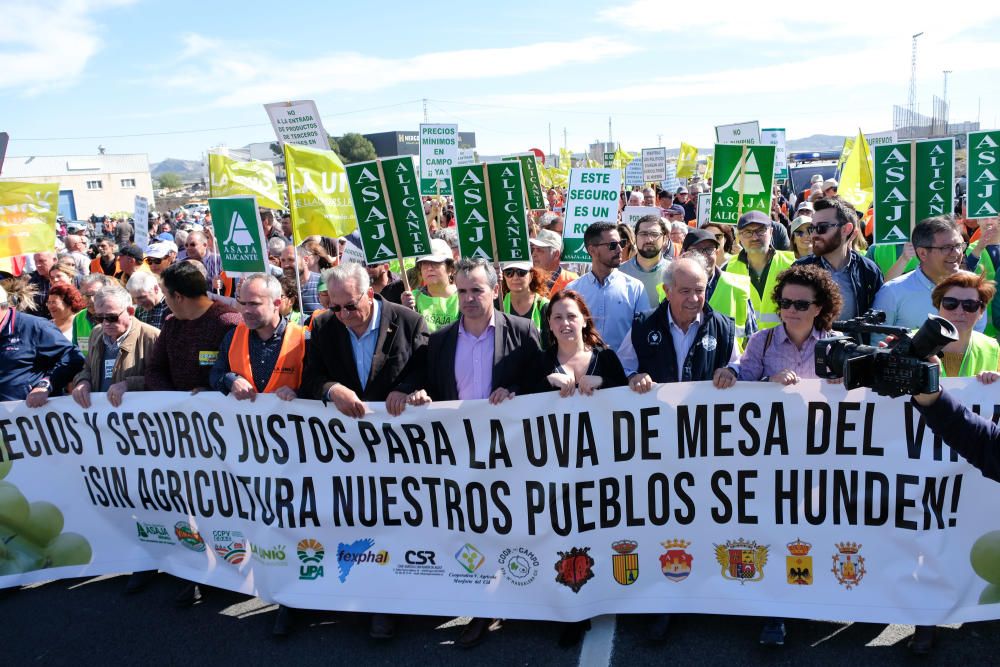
983, 354
537, 308
81, 331
989, 272
437, 311
767, 309
886, 255
729, 298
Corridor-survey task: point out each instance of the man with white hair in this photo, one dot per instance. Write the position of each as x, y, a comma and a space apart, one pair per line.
635, 198
152, 306
84, 322
265, 353
39, 279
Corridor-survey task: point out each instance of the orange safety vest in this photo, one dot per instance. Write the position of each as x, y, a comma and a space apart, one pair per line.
228, 285
287, 369
95, 267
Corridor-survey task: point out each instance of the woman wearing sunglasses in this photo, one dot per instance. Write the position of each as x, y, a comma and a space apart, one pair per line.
961, 299
525, 286
808, 302
802, 244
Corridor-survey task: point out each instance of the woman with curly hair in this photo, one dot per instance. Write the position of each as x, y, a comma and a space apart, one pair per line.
808, 303
64, 302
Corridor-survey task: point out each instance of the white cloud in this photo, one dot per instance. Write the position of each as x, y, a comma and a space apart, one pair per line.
253, 77
46, 43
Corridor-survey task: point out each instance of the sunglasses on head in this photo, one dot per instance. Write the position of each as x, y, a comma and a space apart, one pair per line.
110, 319
800, 305
520, 273
968, 305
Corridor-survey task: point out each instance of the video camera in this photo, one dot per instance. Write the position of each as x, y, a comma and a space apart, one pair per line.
898, 370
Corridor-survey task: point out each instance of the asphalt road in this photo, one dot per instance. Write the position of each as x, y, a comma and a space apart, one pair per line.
90, 621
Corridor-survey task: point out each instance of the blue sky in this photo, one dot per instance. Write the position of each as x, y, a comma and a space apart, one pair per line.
180, 73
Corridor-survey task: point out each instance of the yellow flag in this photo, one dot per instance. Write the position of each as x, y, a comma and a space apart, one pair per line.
318, 194
709, 163
856, 177
622, 159
593, 164
228, 177
27, 217
845, 152
558, 176
565, 159
687, 161
543, 176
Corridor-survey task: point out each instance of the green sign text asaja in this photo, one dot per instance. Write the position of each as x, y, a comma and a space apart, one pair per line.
238, 230
984, 174
509, 213
532, 183
472, 211
935, 178
735, 178
930, 164
403, 188
371, 209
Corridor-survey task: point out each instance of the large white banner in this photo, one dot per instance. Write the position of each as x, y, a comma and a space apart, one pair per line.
763, 500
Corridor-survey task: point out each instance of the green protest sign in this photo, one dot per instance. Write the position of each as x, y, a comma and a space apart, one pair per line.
742, 176
984, 174
239, 235
911, 181
592, 197
402, 185
371, 210
472, 214
532, 183
510, 216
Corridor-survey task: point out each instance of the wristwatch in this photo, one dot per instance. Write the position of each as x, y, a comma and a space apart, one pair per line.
43, 384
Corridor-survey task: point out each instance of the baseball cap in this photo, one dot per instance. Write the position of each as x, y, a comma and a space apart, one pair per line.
805, 206
682, 190
165, 236
133, 251
799, 221
161, 249
830, 183
440, 252
674, 209
697, 236
547, 238
816, 178
524, 266
753, 218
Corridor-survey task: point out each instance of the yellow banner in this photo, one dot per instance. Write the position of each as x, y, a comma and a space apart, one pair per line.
687, 161
28, 217
318, 194
622, 159
228, 177
856, 177
845, 152
565, 159
557, 176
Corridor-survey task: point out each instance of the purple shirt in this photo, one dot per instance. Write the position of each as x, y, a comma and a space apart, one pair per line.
781, 355
474, 362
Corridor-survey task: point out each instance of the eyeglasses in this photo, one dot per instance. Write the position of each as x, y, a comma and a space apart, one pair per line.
110, 319
510, 273
823, 227
754, 233
948, 249
349, 307
155, 261
652, 236
800, 305
968, 305
612, 245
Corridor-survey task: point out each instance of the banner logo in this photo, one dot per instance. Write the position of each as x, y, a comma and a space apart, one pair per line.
675, 562
741, 560
574, 568
310, 553
520, 566
420, 562
188, 536
358, 552
268, 556
848, 565
799, 566
153, 533
230, 545
625, 563
470, 558
239, 233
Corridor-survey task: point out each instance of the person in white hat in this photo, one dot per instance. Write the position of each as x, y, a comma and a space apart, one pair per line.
437, 299
161, 255
525, 291
830, 187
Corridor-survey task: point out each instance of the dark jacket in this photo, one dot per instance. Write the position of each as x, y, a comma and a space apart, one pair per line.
33, 348
329, 358
515, 351
605, 364
976, 438
654, 346
866, 277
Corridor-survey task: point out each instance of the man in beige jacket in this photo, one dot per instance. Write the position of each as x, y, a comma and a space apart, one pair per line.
118, 350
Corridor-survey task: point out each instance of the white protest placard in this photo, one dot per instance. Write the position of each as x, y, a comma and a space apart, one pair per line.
633, 172
140, 222
466, 156
738, 133
775, 136
654, 165
298, 123
670, 182
881, 138
592, 197
704, 208
631, 214
438, 154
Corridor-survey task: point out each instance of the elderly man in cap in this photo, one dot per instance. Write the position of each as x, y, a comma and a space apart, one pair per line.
161, 255
830, 187
761, 262
546, 249
131, 259
683, 197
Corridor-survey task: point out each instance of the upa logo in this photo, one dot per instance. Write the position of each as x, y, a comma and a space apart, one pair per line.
189, 537
310, 553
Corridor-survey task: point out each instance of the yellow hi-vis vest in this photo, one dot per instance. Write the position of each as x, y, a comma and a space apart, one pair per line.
983, 354
767, 309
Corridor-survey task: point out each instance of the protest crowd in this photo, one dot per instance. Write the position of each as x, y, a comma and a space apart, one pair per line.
662, 300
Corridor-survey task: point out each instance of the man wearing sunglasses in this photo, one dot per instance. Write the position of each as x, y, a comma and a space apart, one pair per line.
906, 300
832, 229
614, 298
761, 262
161, 255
